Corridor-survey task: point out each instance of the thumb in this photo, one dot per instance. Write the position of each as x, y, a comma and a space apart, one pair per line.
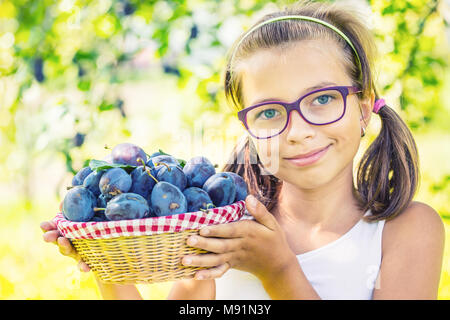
260, 212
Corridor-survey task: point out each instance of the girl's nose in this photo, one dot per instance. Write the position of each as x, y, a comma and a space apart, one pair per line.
298, 129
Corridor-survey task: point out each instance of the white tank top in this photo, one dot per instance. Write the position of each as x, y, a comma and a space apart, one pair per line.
346, 268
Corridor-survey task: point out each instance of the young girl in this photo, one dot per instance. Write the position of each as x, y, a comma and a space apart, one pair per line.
302, 80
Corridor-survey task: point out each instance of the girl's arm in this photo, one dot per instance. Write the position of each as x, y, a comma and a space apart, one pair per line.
181, 290
289, 283
259, 247
118, 292
413, 246
192, 289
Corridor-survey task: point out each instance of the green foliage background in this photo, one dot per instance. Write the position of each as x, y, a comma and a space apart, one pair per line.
78, 74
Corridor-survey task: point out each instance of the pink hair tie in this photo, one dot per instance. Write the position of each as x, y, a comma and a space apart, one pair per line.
380, 103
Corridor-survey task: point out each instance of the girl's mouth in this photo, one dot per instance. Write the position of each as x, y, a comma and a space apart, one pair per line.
309, 158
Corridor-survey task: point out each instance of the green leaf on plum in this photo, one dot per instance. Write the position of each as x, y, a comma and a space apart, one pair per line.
97, 165
181, 161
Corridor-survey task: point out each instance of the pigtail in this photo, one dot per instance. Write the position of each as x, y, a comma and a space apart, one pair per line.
245, 162
388, 172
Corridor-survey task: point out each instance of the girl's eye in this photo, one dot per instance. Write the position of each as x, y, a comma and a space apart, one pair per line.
267, 114
323, 99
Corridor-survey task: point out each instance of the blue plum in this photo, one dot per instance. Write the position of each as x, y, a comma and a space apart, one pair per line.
197, 199
142, 182
92, 182
127, 206
115, 181
167, 159
108, 158
221, 189
149, 201
79, 204
198, 170
172, 174
167, 199
102, 201
99, 217
241, 186
128, 153
79, 177
154, 154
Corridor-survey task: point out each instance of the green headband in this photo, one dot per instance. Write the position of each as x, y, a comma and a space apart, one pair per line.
299, 17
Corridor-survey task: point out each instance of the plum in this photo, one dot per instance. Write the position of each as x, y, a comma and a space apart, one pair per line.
99, 217
197, 199
79, 204
221, 189
102, 201
167, 199
92, 182
142, 182
108, 158
198, 170
172, 174
79, 177
128, 153
127, 206
241, 186
149, 201
154, 154
167, 159
115, 181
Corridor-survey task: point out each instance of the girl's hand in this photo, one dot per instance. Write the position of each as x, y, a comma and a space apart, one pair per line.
256, 246
52, 234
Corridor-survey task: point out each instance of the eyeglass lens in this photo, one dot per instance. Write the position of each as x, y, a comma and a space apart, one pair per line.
317, 108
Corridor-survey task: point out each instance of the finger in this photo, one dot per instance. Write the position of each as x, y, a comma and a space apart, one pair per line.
47, 226
83, 266
228, 230
215, 245
260, 212
212, 273
51, 236
205, 260
66, 248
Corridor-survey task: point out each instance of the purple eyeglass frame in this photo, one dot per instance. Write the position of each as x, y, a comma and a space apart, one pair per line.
344, 90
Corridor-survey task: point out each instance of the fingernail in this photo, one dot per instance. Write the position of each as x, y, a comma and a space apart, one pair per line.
193, 241
251, 200
199, 277
204, 231
187, 261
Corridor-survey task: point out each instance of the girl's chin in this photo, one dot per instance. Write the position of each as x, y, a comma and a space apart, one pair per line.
312, 178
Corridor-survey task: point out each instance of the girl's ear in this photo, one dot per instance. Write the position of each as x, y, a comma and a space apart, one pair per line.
366, 107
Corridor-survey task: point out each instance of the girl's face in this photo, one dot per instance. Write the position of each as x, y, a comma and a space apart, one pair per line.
285, 75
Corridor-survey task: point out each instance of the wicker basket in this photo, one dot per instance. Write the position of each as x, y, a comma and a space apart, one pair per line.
143, 250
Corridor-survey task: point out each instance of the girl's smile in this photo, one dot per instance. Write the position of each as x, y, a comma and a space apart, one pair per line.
308, 158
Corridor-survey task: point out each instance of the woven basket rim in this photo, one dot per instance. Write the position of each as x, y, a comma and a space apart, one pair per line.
150, 225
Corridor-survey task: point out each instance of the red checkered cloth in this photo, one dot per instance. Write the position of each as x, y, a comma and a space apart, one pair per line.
149, 226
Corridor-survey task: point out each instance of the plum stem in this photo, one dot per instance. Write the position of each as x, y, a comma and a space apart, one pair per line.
142, 161
210, 204
99, 209
207, 208
167, 166
148, 172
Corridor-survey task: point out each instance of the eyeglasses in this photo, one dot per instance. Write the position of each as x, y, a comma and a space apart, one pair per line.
319, 107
